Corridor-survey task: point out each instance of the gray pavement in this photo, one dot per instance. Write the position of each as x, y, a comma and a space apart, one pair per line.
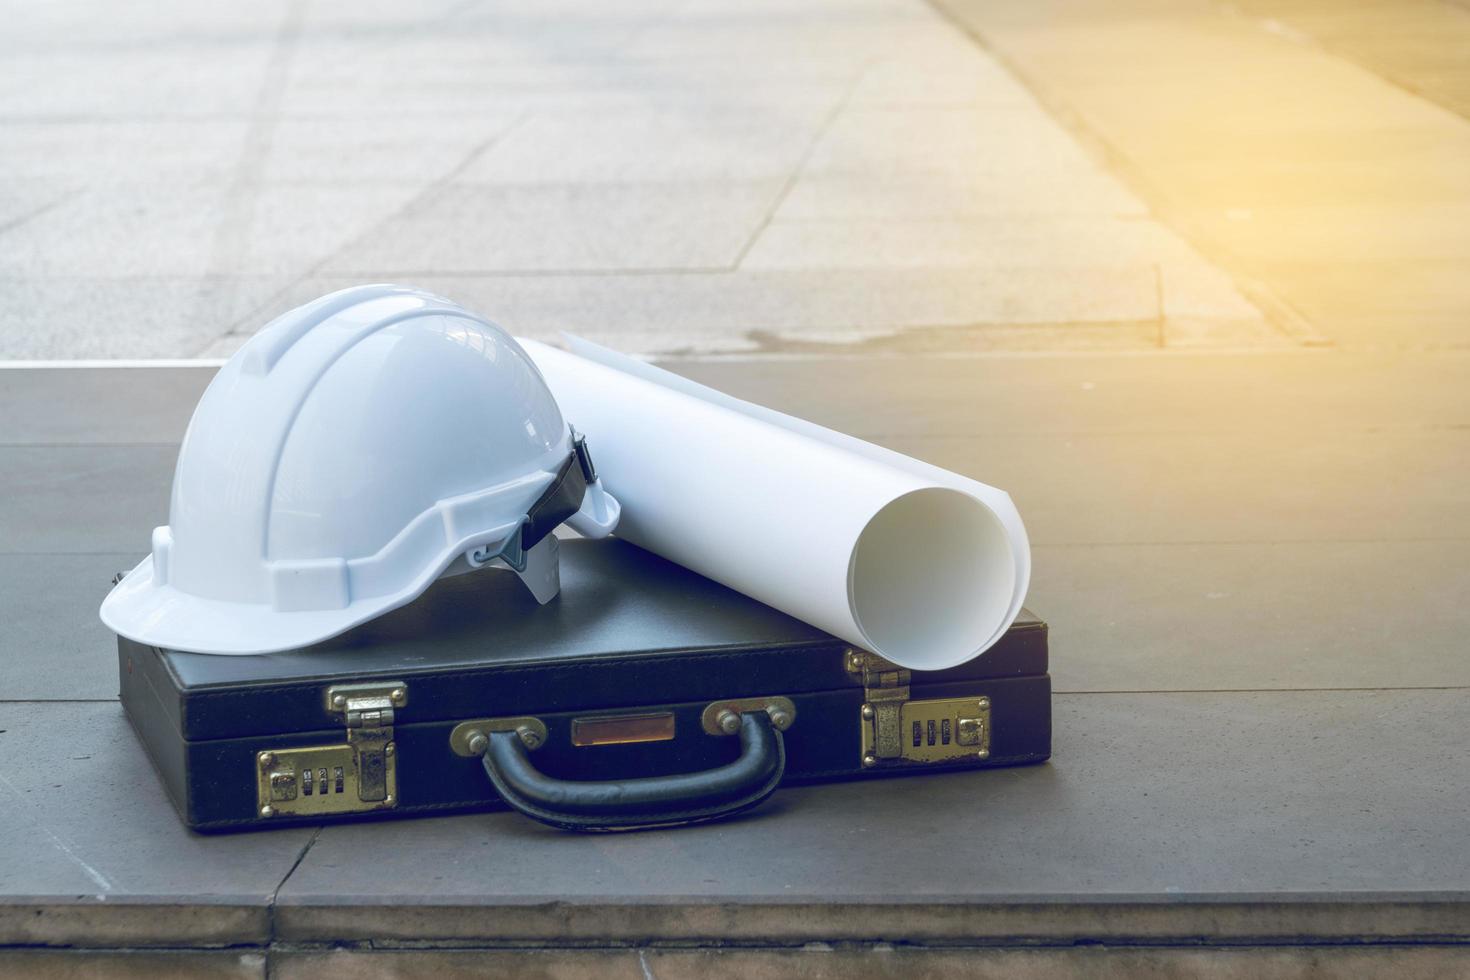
1316, 151
1188, 279
1259, 718
662, 177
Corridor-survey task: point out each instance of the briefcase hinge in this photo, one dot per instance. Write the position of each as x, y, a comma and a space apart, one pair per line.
366, 705
882, 680
898, 731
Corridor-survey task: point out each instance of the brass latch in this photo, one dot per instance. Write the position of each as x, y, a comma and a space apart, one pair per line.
885, 690
898, 731
354, 776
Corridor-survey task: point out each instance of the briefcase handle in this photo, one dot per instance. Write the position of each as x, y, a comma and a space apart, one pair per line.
636, 804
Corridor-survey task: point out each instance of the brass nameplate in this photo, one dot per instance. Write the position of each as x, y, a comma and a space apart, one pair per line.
623, 729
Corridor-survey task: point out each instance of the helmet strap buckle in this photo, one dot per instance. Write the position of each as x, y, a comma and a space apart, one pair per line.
512, 551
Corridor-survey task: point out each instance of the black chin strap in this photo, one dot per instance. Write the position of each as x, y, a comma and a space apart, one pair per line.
560, 500
563, 498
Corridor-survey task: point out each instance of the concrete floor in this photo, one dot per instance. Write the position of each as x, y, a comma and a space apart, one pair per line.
662, 177
1316, 150
1259, 717
1249, 539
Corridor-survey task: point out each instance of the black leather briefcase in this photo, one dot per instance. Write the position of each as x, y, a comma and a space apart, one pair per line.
645, 695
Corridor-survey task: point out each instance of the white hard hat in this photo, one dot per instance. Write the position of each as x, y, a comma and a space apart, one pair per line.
349, 454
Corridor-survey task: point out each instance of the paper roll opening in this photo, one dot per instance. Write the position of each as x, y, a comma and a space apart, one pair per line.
931, 579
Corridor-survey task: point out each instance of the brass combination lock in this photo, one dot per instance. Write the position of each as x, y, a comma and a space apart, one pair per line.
356, 775
898, 731
941, 730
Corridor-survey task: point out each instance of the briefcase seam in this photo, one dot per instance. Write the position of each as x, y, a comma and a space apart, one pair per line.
528, 669
275, 689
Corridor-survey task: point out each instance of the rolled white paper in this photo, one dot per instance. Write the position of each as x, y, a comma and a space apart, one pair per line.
919, 565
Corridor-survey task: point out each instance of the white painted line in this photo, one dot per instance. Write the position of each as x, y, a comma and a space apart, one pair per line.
756, 356
744, 357
159, 362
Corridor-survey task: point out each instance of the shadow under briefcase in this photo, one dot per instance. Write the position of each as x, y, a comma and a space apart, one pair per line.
645, 695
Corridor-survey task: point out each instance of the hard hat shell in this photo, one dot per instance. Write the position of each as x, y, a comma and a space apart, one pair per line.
342, 460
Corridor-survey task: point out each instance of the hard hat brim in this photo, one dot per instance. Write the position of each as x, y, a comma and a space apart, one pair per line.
163, 616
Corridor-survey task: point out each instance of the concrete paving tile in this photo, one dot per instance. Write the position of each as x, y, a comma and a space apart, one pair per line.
1357, 299
219, 230
1415, 44
468, 36
99, 26
1311, 93
96, 234
1198, 289
293, 227
1342, 168
535, 18
173, 151
979, 80
1261, 615
339, 76
563, 228
1421, 159
57, 648
758, 35
953, 196
665, 145
1054, 244
383, 16
1097, 336
1205, 798
722, 95
1288, 152
144, 81
131, 965
65, 317
1351, 485
24, 198
1002, 241
83, 499
746, 310
95, 855
1385, 232
1255, 333
756, 13
412, 150
987, 141
1334, 168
